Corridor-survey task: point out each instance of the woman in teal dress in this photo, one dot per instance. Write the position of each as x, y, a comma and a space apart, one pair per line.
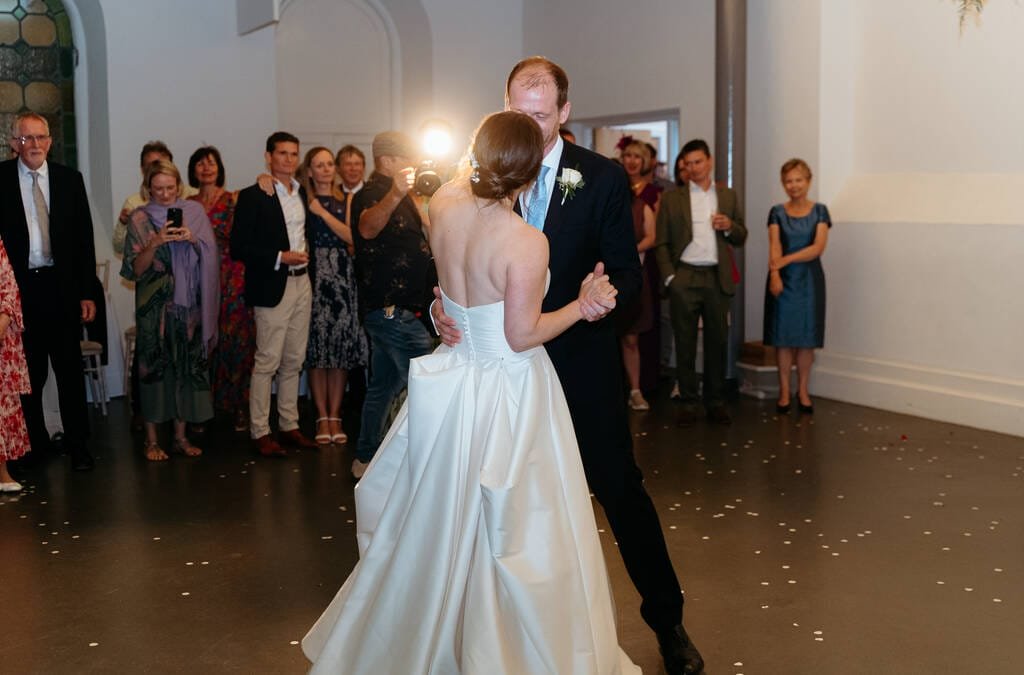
177, 297
794, 300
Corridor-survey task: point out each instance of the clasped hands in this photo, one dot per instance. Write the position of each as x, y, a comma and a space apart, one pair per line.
597, 295
596, 298
167, 235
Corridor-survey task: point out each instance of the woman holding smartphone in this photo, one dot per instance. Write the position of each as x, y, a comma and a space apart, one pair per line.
171, 255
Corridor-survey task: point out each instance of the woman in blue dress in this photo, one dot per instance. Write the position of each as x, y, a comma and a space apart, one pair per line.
794, 300
336, 340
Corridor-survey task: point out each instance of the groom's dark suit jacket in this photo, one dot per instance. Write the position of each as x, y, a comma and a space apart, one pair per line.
593, 225
258, 234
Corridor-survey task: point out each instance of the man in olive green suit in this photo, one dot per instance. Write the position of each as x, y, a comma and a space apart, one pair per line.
698, 226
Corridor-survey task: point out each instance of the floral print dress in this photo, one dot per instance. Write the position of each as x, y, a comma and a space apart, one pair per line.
336, 339
236, 344
14, 380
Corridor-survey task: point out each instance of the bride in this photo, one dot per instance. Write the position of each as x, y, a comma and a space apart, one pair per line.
478, 547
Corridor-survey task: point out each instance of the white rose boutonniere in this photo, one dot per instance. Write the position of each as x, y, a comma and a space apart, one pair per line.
570, 181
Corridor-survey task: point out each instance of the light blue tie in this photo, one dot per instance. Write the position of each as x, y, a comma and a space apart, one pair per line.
537, 207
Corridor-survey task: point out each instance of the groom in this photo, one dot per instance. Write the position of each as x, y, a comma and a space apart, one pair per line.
586, 214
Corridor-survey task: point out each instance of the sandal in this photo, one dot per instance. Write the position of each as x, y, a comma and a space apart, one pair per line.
183, 447
154, 452
338, 436
325, 438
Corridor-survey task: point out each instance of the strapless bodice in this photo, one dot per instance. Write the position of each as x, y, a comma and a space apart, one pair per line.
483, 331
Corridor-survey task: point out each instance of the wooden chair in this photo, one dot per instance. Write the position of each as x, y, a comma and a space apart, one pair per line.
92, 353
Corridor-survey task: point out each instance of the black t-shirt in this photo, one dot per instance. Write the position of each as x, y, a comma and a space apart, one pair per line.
395, 267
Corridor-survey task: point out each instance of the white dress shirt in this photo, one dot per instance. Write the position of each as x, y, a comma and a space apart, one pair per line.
352, 190
35, 236
703, 250
551, 161
294, 218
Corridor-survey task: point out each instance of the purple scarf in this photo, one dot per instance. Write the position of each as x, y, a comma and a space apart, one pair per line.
196, 267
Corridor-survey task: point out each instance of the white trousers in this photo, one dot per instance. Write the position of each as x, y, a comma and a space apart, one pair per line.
281, 336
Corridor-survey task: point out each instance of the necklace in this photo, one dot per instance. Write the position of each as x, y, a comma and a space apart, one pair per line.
207, 203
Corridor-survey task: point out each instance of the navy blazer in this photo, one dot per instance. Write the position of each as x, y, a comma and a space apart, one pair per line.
258, 234
594, 225
71, 236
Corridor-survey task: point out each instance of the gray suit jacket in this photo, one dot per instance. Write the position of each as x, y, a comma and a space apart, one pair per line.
675, 232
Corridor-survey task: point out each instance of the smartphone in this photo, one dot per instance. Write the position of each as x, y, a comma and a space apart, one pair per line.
174, 219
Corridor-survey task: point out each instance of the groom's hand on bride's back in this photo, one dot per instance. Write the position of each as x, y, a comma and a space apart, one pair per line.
444, 325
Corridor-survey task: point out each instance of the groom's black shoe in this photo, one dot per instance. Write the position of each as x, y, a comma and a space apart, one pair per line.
681, 657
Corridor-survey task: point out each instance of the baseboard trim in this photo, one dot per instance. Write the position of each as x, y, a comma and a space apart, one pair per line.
970, 399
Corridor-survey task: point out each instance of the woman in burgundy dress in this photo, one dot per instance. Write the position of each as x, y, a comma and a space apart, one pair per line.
640, 318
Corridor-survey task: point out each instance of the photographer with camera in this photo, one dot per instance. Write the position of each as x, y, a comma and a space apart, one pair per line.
396, 275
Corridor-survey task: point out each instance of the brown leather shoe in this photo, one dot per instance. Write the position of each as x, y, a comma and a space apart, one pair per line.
719, 415
268, 447
294, 438
686, 417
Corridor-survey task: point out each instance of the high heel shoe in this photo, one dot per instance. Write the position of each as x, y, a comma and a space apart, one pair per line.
805, 409
339, 437
323, 438
782, 409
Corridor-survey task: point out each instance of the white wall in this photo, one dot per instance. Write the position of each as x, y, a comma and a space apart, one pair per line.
181, 73
783, 94
631, 57
912, 130
475, 44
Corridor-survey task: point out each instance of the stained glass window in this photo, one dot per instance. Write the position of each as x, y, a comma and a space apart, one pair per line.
37, 70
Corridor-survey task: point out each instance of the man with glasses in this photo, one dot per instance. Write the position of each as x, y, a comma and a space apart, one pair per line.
46, 226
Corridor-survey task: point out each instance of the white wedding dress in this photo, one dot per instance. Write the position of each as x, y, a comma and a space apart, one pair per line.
478, 548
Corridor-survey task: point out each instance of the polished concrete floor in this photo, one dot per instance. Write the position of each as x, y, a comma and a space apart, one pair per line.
857, 541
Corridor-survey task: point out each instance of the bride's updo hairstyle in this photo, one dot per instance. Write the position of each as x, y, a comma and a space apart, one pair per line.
506, 154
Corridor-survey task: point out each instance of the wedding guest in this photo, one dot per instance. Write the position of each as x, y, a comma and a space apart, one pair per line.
639, 316
46, 226
151, 151
231, 361
14, 380
697, 227
336, 340
794, 300
351, 163
269, 236
390, 227
175, 267
682, 173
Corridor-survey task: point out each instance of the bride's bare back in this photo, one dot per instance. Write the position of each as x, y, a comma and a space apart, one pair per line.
485, 253
475, 242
